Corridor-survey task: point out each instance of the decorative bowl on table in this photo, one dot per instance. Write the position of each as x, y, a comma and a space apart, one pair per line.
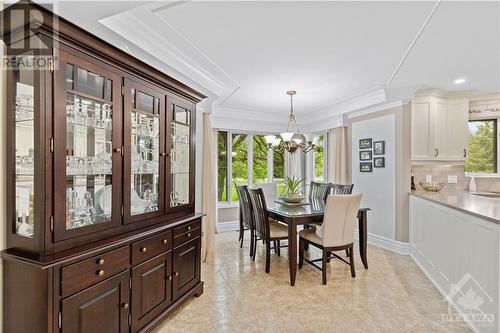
294, 199
432, 186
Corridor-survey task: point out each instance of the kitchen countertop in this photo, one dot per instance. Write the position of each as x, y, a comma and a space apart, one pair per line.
482, 207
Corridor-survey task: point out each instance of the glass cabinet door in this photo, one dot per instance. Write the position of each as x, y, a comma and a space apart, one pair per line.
144, 151
181, 180
87, 147
24, 151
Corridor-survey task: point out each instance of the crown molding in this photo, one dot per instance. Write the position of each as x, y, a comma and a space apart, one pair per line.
145, 27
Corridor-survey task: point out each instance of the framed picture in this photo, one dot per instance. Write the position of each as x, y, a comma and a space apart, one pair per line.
379, 162
379, 148
365, 143
365, 155
365, 167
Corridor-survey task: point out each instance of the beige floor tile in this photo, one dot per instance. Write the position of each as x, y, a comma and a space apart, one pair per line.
393, 295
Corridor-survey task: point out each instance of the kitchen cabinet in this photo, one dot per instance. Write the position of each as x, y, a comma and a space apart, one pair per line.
100, 180
439, 129
457, 249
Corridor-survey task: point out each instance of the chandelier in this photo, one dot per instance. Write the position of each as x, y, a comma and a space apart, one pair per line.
292, 139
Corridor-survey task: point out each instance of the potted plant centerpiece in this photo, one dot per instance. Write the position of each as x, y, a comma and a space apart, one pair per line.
293, 192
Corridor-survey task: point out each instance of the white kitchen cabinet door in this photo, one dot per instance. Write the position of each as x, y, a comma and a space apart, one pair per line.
439, 131
457, 115
420, 131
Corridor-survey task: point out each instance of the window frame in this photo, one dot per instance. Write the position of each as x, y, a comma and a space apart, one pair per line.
229, 167
497, 150
310, 161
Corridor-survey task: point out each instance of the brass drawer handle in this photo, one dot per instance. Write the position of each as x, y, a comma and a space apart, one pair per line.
189, 227
162, 154
176, 273
100, 272
170, 278
189, 234
100, 261
125, 306
164, 241
143, 249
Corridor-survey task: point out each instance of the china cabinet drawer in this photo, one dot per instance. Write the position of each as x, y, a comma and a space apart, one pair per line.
82, 274
151, 247
178, 240
189, 227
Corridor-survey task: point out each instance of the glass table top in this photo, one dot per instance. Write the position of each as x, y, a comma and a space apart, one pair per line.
314, 208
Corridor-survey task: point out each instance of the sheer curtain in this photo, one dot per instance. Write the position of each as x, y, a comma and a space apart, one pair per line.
337, 155
209, 187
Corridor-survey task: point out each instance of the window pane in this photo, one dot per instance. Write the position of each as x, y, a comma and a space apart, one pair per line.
222, 166
279, 170
319, 160
239, 163
482, 147
259, 159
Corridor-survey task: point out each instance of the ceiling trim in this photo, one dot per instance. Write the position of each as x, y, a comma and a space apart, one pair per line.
143, 27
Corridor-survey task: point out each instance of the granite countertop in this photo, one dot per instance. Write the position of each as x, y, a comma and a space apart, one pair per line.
480, 206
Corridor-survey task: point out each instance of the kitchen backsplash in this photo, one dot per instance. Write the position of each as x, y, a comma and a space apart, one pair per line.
440, 174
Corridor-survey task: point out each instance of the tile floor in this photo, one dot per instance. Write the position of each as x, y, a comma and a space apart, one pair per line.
393, 295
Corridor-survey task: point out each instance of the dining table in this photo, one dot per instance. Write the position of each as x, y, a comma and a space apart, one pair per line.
294, 215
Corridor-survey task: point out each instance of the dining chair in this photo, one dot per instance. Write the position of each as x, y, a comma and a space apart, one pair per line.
341, 189
318, 191
266, 229
270, 190
336, 233
246, 216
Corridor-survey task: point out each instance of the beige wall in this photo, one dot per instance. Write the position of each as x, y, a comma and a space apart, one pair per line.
402, 164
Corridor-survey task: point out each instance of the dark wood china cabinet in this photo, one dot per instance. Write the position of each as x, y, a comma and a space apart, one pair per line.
102, 234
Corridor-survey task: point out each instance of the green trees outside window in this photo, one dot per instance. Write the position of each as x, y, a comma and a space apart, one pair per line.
482, 147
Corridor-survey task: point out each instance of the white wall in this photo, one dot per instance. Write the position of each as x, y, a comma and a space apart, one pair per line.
378, 187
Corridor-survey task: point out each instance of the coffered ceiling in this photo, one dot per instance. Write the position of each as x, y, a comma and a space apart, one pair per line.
247, 54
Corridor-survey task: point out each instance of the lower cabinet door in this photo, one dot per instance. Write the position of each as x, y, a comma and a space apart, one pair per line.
103, 307
186, 267
151, 289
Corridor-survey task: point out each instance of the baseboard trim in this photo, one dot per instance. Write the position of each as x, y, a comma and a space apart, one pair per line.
386, 243
228, 226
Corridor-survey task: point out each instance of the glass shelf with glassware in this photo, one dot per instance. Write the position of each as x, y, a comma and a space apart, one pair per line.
145, 162
89, 163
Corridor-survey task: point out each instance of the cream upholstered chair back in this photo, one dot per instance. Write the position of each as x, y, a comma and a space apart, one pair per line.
270, 190
340, 219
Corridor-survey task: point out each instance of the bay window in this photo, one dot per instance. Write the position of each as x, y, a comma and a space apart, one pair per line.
244, 159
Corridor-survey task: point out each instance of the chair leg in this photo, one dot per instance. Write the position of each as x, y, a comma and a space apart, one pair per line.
301, 252
351, 260
268, 255
324, 266
278, 248
306, 244
242, 232
251, 241
254, 240
347, 252
328, 254
275, 243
